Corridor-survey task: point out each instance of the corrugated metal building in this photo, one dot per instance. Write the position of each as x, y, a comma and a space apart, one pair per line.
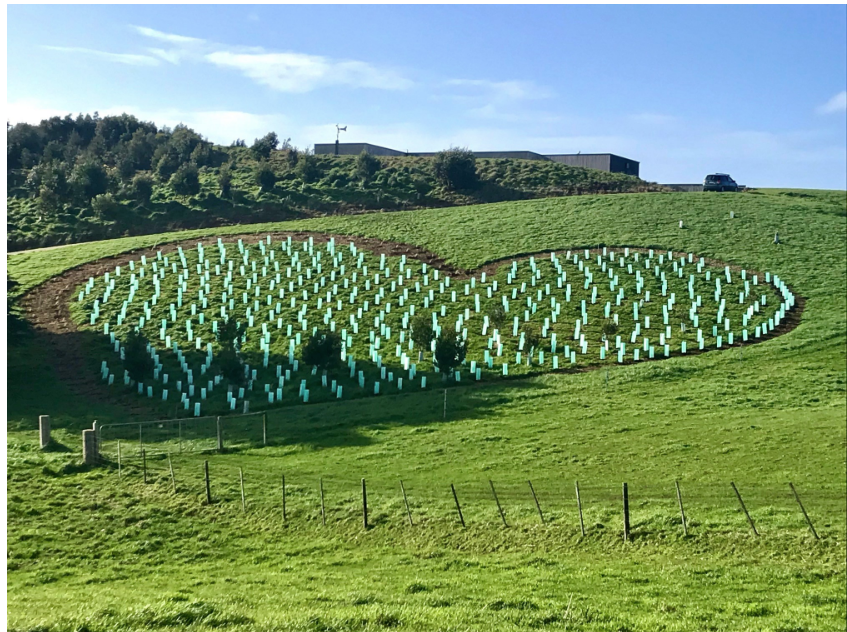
603, 162
354, 149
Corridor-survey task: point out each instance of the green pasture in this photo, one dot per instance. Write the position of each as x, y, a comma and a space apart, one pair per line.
88, 549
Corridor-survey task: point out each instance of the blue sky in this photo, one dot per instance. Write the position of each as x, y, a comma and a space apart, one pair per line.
755, 91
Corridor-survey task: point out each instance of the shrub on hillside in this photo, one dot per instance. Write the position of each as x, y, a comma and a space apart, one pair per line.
230, 334
450, 351
137, 360
455, 168
167, 162
367, 166
105, 206
230, 367
422, 332
89, 179
323, 350
142, 188
497, 316
531, 338
265, 176
262, 147
225, 180
307, 168
186, 180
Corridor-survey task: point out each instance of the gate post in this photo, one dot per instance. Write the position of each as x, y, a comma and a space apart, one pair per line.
90, 454
44, 430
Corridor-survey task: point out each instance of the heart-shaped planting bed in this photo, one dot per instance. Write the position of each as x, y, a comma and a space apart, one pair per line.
369, 314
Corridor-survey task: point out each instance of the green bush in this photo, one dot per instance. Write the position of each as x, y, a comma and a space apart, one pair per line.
142, 188
422, 332
186, 180
455, 168
450, 351
137, 360
265, 176
367, 166
323, 350
307, 168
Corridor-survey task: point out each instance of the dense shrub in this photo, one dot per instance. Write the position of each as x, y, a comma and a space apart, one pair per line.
142, 188
137, 360
323, 350
450, 350
422, 332
186, 180
307, 168
367, 166
455, 168
265, 176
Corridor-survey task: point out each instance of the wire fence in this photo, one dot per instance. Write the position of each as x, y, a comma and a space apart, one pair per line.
215, 461
245, 483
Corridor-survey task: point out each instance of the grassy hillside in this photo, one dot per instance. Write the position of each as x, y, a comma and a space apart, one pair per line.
333, 188
771, 415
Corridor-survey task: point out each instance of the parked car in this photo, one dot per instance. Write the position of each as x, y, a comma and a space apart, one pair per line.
719, 182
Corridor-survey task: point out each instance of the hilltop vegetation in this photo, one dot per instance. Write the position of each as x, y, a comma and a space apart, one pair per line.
89, 550
88, 178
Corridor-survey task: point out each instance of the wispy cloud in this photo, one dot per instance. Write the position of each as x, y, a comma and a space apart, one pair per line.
297, 72
653, 118
170, 38
120, 58
499, 90
836, 104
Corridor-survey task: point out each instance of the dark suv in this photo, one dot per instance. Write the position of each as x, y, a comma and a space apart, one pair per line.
719, 182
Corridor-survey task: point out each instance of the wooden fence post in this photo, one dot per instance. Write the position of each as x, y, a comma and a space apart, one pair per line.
681, 510
535, 498
323, 511
264, 428
283, 498
144, 463
579, 506
364, 505
241, 480
406, 502
497, 500
625, 512
220, 435
444, 415
746, 513
208, 486
140, 440
803, 509
458, 507
171, 468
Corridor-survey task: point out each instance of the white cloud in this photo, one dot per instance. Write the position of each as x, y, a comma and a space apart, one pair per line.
170, 56
654, 118
180, 40
500, 90
31, 111
836, 104
121, 58
297, 72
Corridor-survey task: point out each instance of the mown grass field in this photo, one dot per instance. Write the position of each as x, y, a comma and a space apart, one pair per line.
88, 550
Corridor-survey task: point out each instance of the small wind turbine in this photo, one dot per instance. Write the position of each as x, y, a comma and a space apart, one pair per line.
338, 130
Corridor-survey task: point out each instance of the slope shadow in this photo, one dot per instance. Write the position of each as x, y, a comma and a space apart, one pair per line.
58, 374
